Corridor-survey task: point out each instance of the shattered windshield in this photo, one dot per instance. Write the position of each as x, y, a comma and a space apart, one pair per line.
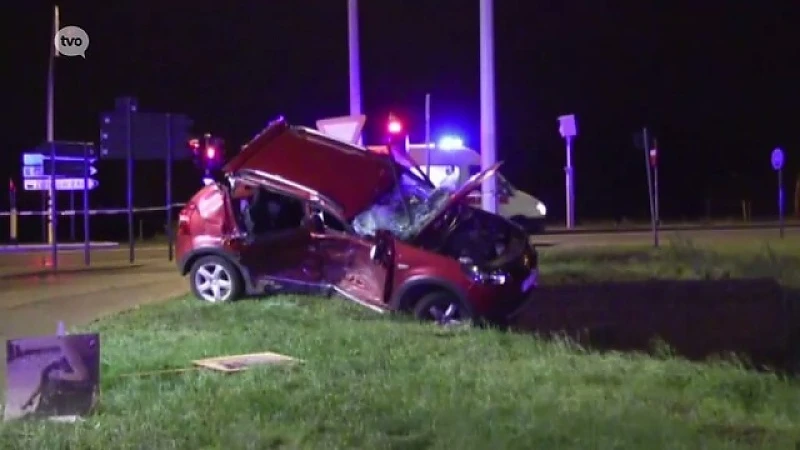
390, 213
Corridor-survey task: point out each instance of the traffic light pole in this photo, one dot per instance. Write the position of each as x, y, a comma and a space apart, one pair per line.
650, 193
169, 188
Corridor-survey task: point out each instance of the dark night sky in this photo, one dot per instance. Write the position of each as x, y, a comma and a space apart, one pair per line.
717, 81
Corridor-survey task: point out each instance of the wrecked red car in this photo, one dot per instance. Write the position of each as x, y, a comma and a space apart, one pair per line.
300, 211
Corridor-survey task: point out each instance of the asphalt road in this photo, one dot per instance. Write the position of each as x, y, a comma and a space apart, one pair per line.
18, 262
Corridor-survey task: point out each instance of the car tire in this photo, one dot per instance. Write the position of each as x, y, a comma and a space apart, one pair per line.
442, 307
214, 279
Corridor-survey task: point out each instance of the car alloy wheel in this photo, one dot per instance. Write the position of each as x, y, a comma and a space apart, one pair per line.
214, 282
443, 308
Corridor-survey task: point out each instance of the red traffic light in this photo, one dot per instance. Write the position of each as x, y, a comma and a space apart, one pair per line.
395, 126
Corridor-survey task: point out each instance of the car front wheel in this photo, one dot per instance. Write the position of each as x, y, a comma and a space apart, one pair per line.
443, 308
215, 280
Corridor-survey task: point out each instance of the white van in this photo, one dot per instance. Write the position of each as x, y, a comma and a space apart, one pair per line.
452, 164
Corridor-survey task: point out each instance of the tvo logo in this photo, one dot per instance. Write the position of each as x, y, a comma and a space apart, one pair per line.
71, 41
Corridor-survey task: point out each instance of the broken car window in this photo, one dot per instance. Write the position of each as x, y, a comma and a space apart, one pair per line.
389, 212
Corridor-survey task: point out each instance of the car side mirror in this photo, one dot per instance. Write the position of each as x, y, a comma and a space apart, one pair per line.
315, 223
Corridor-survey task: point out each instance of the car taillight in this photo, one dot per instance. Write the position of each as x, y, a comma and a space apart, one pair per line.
183, 223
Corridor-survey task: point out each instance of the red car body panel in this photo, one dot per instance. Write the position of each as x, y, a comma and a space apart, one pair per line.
300, 157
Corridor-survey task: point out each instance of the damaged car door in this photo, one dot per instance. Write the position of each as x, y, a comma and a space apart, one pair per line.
347, 265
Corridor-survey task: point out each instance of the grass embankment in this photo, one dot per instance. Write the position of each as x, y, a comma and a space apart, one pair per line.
375, 382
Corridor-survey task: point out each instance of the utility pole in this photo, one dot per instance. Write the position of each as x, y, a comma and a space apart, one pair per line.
488, 134
50, 121
354, 59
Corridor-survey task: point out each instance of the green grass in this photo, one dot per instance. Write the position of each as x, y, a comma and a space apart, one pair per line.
374, 382
676, 259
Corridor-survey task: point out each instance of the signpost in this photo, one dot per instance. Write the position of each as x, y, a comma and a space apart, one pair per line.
132, 135
568, 130
642, 142
62, 184
777, 164
169, 157
62, 166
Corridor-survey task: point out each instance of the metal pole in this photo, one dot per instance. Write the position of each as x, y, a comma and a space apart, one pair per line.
646, 147
780, 201
129, 167
428, 135
53, 217
50, 123
169, 188
45, 216
656, 206
12, 206
570, 186
488, 153
354, 59
72, 217
86, 239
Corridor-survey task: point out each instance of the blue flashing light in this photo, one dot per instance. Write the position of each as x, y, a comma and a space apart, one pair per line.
450, 143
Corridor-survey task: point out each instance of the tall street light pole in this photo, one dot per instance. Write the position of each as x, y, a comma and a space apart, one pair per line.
354, 58
50, 122
488, 135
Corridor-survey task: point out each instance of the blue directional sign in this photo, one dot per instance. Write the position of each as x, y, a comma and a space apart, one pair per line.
62, 169
68, 165
62, 184
777, 159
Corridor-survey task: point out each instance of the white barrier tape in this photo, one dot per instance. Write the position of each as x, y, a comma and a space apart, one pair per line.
92, 212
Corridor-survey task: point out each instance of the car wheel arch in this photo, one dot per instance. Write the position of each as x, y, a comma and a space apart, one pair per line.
415, 288
195, 255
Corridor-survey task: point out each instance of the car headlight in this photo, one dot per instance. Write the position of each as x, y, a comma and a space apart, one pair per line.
481, 276
541, 208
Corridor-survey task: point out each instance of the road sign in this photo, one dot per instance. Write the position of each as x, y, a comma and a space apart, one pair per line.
63, 169
777, 159
62, 184
37, 159
150, 133
346, 128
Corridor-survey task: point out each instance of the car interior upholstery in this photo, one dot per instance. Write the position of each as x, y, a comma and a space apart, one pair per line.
267, 212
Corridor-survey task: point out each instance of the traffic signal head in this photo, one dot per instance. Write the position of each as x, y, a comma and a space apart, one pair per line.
397, 138
208, 152
395, 126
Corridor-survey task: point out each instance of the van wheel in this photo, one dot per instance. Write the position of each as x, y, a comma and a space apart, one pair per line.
443, 308
215, 280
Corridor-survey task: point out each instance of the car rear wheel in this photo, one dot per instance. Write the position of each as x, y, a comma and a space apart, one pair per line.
443, 308
215, 280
